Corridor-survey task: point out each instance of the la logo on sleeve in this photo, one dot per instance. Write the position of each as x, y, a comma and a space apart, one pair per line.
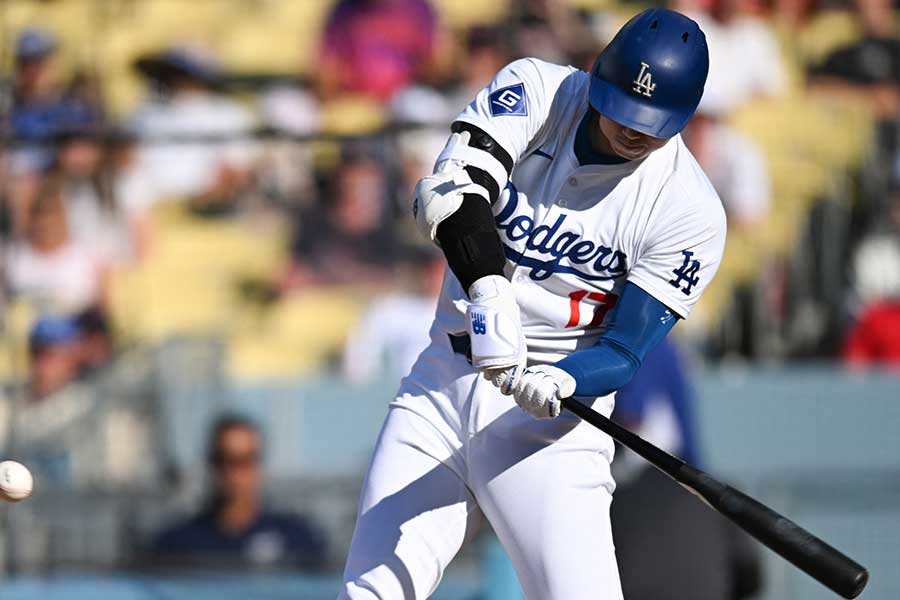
509, 101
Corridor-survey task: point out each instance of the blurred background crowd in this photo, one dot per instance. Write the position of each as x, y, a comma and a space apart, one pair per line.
207, 256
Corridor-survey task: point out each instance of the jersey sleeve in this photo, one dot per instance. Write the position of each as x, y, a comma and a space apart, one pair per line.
682, 249
516, 104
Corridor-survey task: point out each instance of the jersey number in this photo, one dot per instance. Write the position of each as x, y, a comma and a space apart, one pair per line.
605, 302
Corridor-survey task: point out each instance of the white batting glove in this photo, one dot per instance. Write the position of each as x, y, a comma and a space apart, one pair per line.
540, 390
495, 329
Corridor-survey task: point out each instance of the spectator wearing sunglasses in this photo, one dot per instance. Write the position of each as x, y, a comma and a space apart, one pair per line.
236, 529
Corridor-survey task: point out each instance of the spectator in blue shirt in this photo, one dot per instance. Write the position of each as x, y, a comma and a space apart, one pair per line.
236, 530
42, 107
669, 545
658, 402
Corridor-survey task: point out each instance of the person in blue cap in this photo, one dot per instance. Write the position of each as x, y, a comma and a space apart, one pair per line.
54, 357
45, 108
578, 230
36, 105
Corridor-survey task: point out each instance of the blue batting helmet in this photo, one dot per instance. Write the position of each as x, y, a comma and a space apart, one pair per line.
651, 75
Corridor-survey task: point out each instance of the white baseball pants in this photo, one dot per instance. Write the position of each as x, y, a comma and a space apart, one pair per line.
450, 442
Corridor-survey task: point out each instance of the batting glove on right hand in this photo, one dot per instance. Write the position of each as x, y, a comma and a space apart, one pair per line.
495, 329
540, 390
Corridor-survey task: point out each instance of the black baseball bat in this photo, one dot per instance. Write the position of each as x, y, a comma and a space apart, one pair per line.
815, 557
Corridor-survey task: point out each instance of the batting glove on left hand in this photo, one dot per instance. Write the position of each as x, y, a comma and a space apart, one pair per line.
499, 349
540, 389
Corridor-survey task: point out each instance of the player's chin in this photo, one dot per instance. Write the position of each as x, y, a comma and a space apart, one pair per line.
631, 152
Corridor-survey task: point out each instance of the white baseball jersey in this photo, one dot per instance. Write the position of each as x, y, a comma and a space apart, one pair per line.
573, 235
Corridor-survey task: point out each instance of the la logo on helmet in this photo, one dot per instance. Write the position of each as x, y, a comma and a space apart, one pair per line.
643, 83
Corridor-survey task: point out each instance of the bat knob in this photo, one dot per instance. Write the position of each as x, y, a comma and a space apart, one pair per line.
858, 583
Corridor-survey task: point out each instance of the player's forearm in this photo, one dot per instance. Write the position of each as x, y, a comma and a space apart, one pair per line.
636, 325
470, 242
601, 370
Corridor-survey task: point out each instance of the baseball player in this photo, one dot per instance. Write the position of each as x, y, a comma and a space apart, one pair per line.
578, 230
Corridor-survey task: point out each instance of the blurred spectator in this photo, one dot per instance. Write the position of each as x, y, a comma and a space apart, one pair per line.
37, 100
132, 190
378, 47
869, 70
734, 164
31, 116
54, 350
657, 403
95, 341
548, 29
876, 262
873, 63
423, 116
236, 529
875, 337
84, 97
487, 51
51, 267
187, 102
285, 169
81, 166
350, 239
41, 106
669, 545
395, 328
794, 14
745, 62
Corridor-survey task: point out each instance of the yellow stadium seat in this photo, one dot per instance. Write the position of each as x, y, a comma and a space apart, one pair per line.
191, 281
303, 22
263, 47
352, 115
295, 335
18, 318
458, 14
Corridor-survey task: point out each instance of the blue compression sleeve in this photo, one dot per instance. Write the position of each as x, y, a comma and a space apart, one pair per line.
637, 323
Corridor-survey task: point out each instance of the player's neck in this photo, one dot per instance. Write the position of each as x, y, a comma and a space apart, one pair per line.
591, 146
599, 143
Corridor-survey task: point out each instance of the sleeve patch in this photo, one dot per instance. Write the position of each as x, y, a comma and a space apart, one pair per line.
509, 100
687, 273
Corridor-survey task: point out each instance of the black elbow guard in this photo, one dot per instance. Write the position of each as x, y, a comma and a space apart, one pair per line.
470, 242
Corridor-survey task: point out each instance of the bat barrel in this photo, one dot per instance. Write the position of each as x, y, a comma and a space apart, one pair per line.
807, 552
798, 546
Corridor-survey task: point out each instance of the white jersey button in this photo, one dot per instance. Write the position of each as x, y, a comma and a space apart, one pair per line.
562, 203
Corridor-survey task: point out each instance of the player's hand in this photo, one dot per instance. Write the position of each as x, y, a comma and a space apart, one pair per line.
541, 388
495, 330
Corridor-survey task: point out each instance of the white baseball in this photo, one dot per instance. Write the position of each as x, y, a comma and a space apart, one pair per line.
16, 481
